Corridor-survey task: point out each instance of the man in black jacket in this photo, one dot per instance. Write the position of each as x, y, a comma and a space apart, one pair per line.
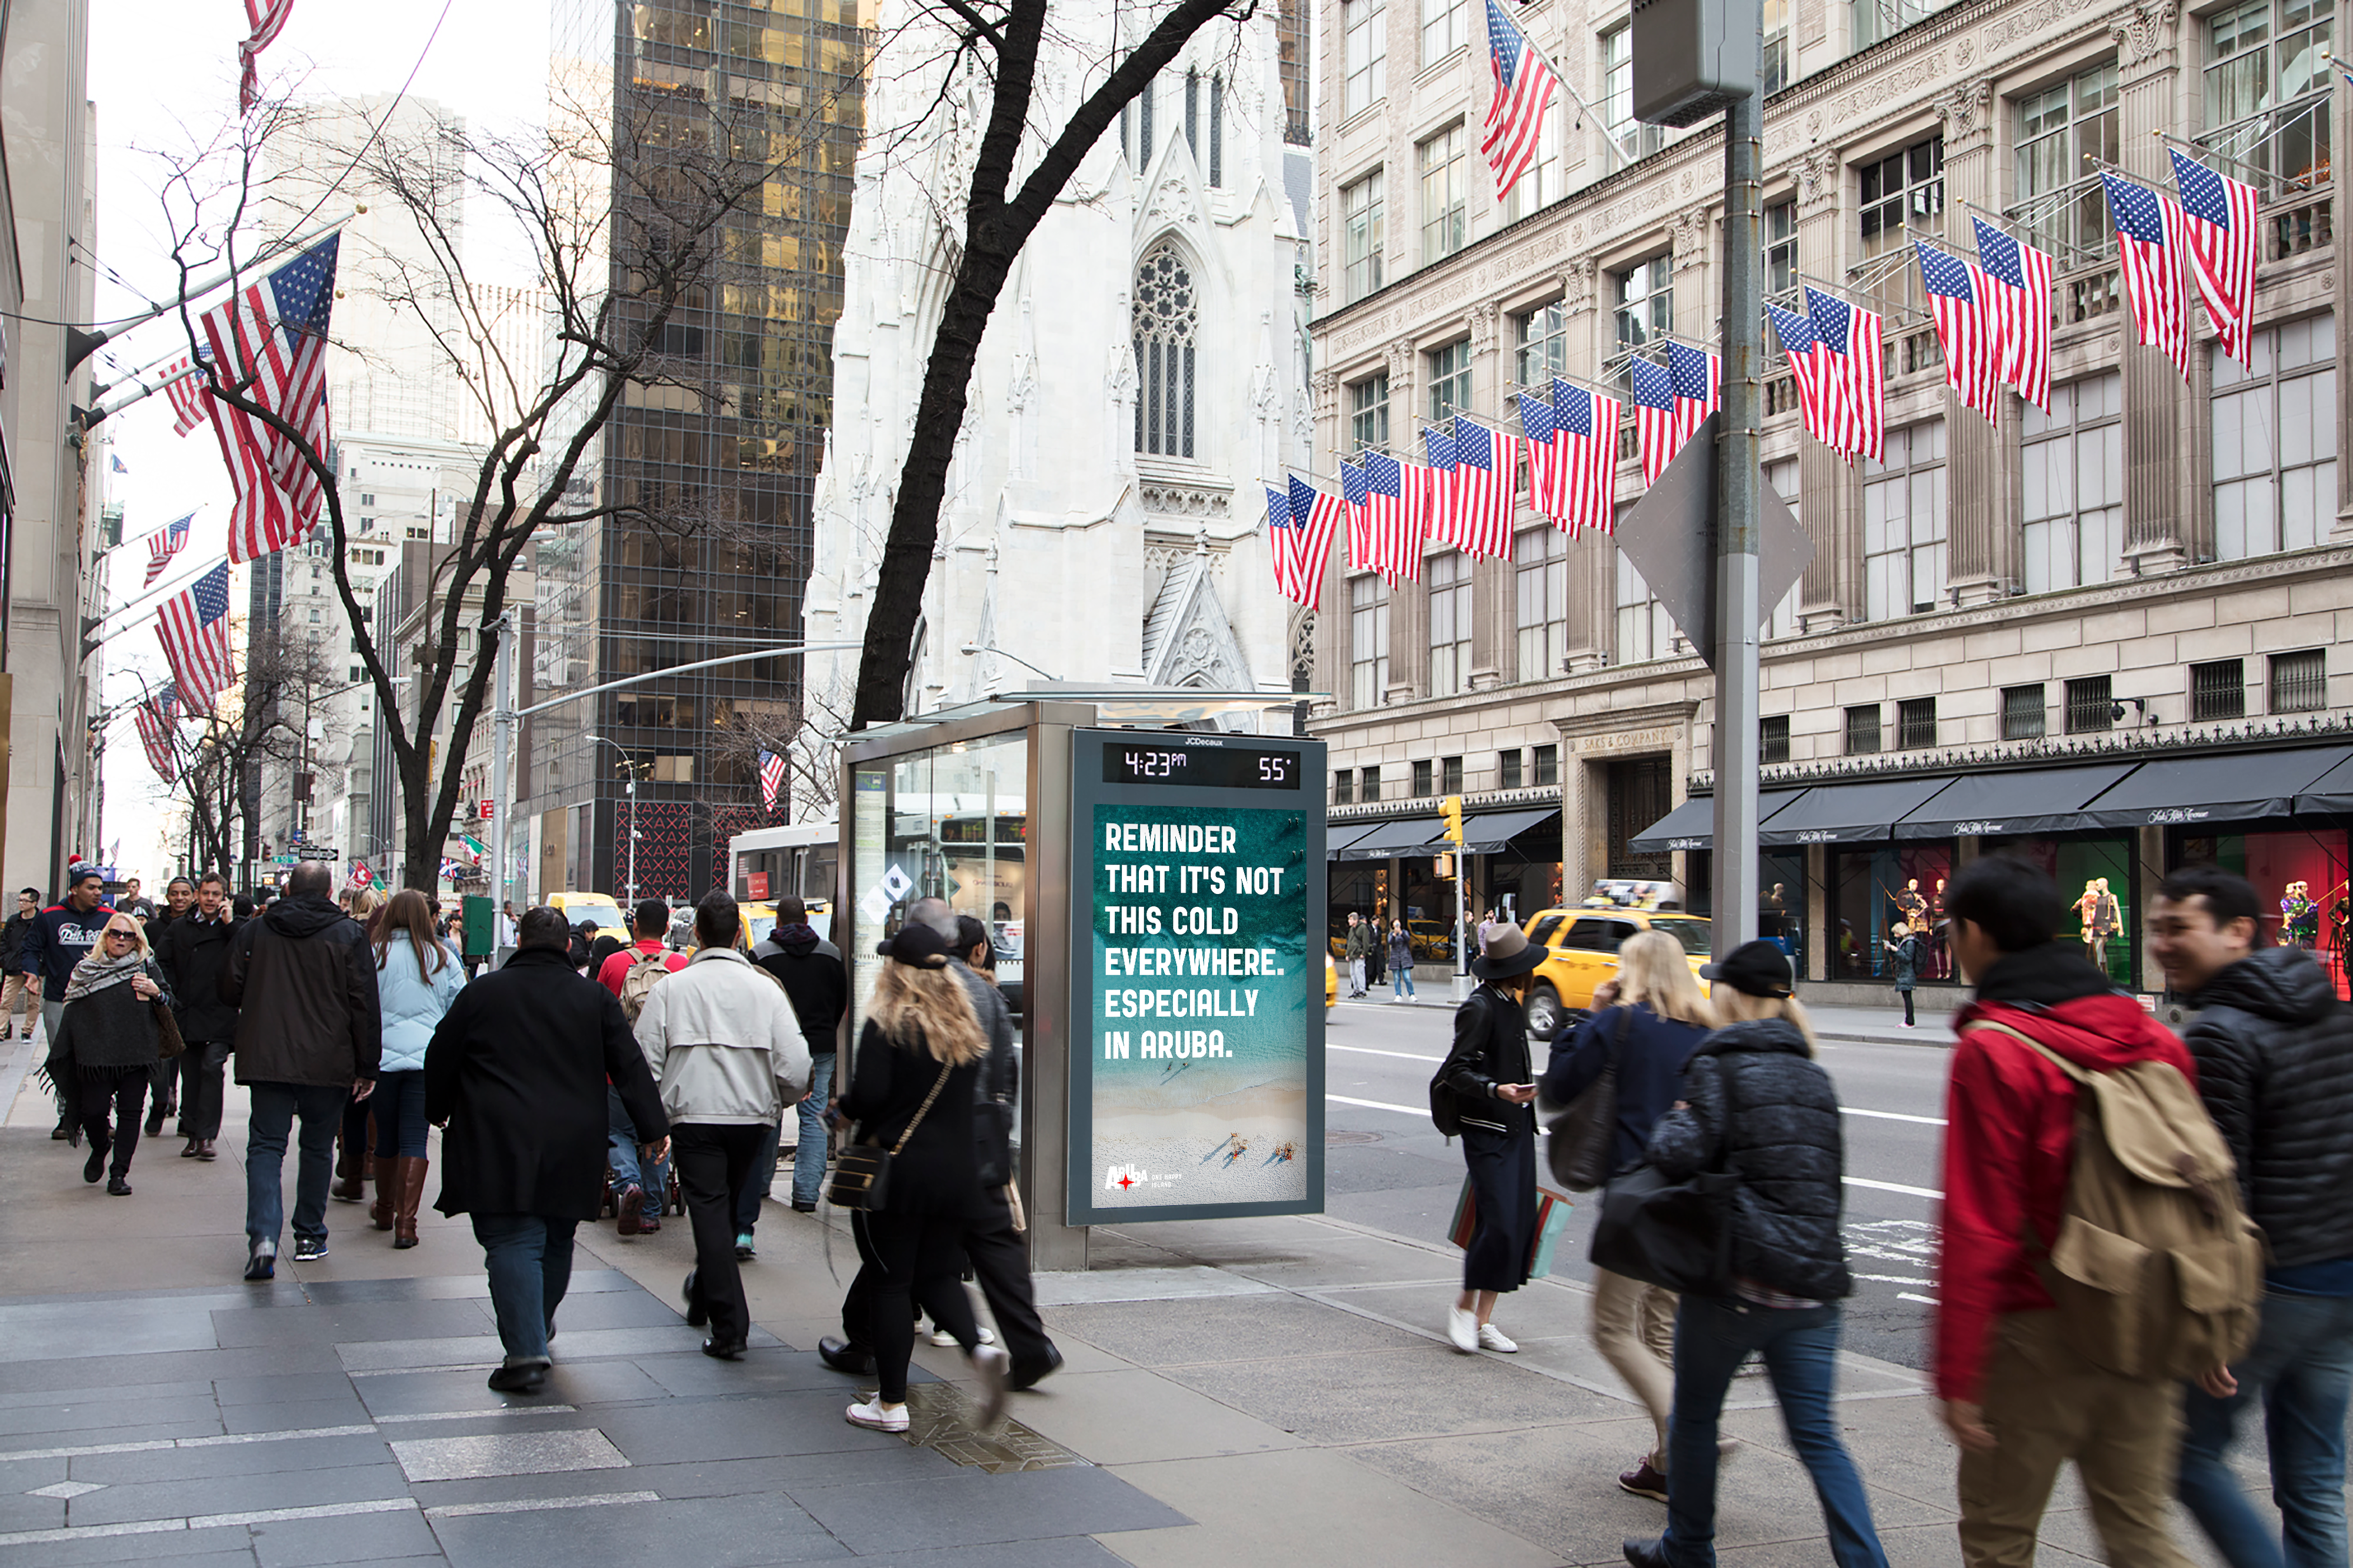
193, 951
810, 970
309, 1035
2274, 1052
516, 1075
15, 995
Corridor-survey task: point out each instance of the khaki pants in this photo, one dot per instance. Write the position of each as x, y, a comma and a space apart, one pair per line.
16, 996
2046, 1405
1635, 1329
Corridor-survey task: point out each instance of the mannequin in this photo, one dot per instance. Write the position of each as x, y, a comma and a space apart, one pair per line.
2088, 913
2107, 920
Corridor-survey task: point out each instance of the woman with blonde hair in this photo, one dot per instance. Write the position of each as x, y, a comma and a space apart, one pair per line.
106, 1044
912, 1091
1647, 1024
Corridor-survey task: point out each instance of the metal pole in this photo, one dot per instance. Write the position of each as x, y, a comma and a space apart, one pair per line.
503, 720
1461, 934
1736, 478
630, 762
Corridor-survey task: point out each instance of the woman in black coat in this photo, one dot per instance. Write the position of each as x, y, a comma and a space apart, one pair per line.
1487, 1076
912, 1088
109, 1043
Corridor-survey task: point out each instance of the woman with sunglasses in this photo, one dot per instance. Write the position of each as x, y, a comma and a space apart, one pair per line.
108, 1043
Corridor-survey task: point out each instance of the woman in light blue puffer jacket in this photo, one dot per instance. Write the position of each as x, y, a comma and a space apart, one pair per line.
416, 978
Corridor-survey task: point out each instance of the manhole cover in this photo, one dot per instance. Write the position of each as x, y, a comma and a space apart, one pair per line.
1335, 1135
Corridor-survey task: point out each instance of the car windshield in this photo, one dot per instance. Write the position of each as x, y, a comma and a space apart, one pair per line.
1691, 932
592, 911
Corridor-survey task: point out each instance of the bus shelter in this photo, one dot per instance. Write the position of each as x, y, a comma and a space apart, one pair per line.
1147, 877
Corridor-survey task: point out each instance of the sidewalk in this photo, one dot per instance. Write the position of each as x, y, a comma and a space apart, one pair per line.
1237, 1393
1850, 1025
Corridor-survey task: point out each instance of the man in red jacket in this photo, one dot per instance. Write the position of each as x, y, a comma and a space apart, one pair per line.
2018, 1402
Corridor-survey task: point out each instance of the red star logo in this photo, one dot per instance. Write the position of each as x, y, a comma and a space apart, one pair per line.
1125, 1183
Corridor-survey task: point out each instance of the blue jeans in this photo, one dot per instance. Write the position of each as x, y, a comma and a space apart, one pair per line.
2301, 1366
529, 1256
398, 1104
1401, 981
809, 1159
275, 1106
1713, 1337
621, 1135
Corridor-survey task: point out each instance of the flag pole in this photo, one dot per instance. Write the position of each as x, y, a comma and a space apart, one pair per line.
81, 344
2202, 152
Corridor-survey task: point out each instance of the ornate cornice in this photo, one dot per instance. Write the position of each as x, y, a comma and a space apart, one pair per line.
2145, 35
1967, 110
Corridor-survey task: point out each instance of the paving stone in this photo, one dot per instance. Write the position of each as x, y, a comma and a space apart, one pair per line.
1159, 1333
360, 1538
352, 1323
22, 1424
288, 1457
1062, 1552
241, 1493
681, 1430
709, 1533
123, 1371
1431, 1391
760, 1370
221, 1548
281, 1388
971, 1508
506, 1454
305, 1415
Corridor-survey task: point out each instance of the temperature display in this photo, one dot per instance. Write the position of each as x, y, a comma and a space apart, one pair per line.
1203, 767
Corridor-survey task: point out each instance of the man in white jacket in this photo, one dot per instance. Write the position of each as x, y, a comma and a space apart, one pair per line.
723, 1043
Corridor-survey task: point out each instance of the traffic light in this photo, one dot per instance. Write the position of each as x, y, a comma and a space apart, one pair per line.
1451, 808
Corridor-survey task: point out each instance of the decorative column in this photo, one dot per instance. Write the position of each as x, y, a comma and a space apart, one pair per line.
1591, 568
2342, 108
2160, 427
1831, 491
1409, 602
1981, 530
1494, 630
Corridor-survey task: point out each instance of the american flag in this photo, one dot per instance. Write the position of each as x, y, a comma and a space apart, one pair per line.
772, 779
1443, 519
270, 338
1359, 496
1486, 487
1960, 298
2021, 275
189, 390
2147, 227
193, 628
2218, 222
1585, 430
1817, 388
155, 718
1699, 387
1852, 356
1281, 533
1524, 90
266, 18
1397, 500
1319, 514
1654, 418
162, 544
1543, 458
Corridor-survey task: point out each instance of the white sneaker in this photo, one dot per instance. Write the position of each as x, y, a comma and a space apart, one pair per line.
1491, 1338
882, 1418
1463, 1329
993, 1365
946, 1340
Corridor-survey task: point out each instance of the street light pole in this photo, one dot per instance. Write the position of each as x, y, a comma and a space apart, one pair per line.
1737, 744
630, 764
502, 722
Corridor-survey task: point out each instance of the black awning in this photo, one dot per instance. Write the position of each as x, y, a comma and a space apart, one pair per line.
1491, 831
2235, 786
1338, 836
1692, 826
2331, 792
2028, 800
1394, 838
1862, 812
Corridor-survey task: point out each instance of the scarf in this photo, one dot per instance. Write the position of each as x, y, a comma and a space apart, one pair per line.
96, 971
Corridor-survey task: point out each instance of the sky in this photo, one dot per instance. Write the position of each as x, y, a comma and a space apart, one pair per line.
487, 62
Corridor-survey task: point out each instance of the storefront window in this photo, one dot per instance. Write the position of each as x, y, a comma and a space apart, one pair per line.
2095, 876
1781, 904
1872, 888
2300, 887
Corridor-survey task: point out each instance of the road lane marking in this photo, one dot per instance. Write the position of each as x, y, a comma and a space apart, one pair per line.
1368, 1051
1892, 1187
1908, 1296
1422, 1111
1847, 1110
1892, 1116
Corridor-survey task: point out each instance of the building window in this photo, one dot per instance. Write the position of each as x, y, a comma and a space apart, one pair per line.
2021, 712
1540, 565
1193, 114
1903, 200
1540, 346
1776, 62
1449, 381
1915, 724
1167, 318
1344, 786
1420, 780
1216, 129
2267, 91
2274, 435
1369, 643
1780, 247
1644, 295
2299, 682
2073, 462
1450, 622
1634, 138
2061, 200
2218, 690
1146, 145
366, 499
1773, 739
1372, 782
1362, 223
1365, 24
1877, 19
1507, 769
1903, 524
1445, 199
1547, 764
1645, 630
2090, 706
1785, 621
1445, 27
1541, 181
1369, 412
1863, 731
1450, 775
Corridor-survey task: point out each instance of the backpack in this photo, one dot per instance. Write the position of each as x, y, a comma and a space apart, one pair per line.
2157, 1269
637, 983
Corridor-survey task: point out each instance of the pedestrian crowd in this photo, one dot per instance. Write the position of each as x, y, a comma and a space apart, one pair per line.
2145, 1239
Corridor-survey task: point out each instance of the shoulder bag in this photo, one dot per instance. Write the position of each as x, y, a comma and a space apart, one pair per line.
1676, 1234
168, 1043
861, 1172
1579, 1142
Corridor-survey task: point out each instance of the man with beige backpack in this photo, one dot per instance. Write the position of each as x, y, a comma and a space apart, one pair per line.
2094, 1252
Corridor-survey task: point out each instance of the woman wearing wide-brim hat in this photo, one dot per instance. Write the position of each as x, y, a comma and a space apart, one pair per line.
1492, 1086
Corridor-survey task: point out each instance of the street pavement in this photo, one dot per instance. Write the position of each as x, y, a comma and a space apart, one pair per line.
1237, 1393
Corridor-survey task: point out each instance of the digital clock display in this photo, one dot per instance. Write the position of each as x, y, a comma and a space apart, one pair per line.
1202, 767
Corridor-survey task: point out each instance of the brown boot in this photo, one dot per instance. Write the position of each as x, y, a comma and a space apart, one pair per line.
387, 1192
412, 1169
351, 1172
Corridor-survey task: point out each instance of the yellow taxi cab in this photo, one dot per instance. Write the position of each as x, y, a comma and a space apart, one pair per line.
1331, 982
1581, 952
596, 910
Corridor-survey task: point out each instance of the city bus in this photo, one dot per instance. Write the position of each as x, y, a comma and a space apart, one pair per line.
768, 863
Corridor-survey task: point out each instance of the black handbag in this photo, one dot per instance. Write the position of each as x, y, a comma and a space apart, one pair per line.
1579, 1142
1675, 1234
861, 1172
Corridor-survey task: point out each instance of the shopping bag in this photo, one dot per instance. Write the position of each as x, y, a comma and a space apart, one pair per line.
1552, 1218
1466, 1218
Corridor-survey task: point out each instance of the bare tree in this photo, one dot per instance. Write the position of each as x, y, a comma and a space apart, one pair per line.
214, 754
1001, 38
